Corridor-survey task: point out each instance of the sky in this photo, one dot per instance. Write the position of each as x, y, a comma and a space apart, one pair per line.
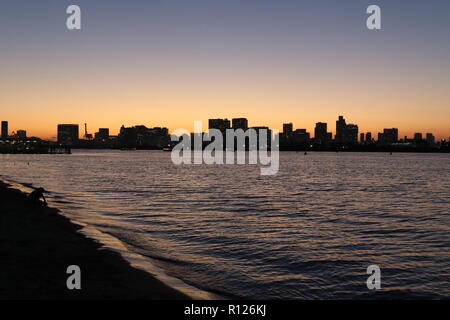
168, 63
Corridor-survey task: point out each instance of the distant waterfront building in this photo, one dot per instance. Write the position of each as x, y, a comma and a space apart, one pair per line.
220, 124
321, 134
300, 136
346, 133
418, 136
361, 138
68, 134
142, 137
430, 138
21, 134
380, 137
240, 123
369, 137
286, 138
288, 129
102, 135
351, 134
340, 129
389, 136
127, 137
5, 133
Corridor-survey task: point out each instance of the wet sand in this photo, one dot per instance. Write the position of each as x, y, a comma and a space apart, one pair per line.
37, 245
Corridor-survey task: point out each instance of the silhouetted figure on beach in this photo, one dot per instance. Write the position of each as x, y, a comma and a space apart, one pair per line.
36, 196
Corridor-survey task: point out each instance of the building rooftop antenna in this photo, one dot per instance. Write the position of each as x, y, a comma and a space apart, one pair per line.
87, 135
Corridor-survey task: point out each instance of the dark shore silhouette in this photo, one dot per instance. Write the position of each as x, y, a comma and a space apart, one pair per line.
37, 246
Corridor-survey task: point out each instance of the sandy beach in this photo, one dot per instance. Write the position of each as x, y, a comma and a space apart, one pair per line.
37, 245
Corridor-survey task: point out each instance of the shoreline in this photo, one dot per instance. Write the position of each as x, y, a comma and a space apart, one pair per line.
38, 244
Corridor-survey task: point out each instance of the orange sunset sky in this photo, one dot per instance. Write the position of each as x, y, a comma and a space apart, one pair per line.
170, 65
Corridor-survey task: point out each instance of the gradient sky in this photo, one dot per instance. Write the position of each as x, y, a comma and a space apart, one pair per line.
168, 63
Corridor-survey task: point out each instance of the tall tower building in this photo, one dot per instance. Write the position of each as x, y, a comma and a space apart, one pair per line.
346, 133
320, 133
5, 133
288, 128
340, 129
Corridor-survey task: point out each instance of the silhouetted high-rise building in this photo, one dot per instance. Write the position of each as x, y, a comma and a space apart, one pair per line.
380, 137
320, 130
346, 133
220, 124
369, 137
102, 135
5, 133
362, 138
240, 123
418, 136
389, 136
286, 137
21, 134
351, 134
430, 138
300, 136
340, 129
288, 128
68, 134
320, 133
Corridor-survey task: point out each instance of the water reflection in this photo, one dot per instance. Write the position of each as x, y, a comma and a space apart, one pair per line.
308, 232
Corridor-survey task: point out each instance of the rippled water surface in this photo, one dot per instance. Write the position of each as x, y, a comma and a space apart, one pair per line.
308, 232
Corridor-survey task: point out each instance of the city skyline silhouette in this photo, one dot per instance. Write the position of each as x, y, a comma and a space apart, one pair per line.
156, 64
